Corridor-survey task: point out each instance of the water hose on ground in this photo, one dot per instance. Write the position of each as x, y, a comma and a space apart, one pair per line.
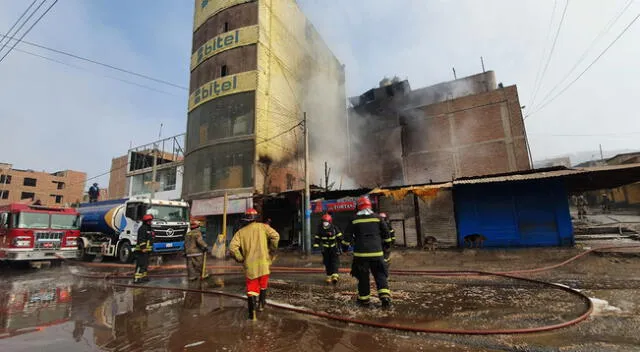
507, 274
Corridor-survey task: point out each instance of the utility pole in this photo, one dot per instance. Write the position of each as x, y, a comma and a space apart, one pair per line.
482, 63
307, 193
454, 73
327, 171
601, 154
154, 171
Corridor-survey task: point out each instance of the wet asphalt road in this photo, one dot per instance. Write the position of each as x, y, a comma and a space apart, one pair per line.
50, 309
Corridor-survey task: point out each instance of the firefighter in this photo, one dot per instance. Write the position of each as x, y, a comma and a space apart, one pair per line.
582, 207
252, 246
195, 248
143, 248
368, 233
386, 248
328, 240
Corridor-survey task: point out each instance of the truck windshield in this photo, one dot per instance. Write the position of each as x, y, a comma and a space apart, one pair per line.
33, 221
168, 213
65, 222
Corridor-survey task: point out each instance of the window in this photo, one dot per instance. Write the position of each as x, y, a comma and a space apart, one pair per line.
4, 194
226, 27
58, 198
290, 180
31, 182
5, 179
223, 71
59, 185
135, 211
27, 195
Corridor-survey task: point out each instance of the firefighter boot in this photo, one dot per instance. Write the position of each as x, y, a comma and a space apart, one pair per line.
262, 300
334, 279
386, 302
328, 279
251, 300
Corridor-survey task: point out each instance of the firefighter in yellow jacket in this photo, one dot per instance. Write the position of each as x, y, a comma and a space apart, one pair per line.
252, 246
195, 248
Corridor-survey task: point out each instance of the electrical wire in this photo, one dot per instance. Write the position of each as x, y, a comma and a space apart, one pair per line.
31, 27
87, 70
544, 48
78, 57
588, 67
553, 47
15, 24
604, 31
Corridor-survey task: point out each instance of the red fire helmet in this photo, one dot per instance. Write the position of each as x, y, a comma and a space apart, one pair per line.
327, 218
147, 217
364, 203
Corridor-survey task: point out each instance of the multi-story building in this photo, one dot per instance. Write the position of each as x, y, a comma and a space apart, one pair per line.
52, 189
257, 66
466, 127
118, 178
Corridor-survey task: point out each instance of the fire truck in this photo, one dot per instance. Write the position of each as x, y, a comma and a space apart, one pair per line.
36, 233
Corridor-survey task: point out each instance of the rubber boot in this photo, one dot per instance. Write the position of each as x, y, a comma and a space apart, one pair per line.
386, 301
334, 279
251, 300
328, 279
362, 303
262, 300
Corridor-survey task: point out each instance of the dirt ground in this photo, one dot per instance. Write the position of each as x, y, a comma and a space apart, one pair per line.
101, 317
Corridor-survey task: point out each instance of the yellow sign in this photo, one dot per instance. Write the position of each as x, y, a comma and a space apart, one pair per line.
225, 41
242, 82
208, 8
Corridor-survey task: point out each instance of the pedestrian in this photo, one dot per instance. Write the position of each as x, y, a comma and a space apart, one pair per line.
143, 249
94, 193
253, 246
606, 203
328, 239
195, 248
368, 233
582, 207
386, 248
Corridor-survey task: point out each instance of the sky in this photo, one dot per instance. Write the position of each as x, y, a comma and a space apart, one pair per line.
57, 117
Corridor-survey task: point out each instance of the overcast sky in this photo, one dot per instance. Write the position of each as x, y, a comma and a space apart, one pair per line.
57, 117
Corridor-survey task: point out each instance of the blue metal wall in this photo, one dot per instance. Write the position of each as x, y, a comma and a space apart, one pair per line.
514, 214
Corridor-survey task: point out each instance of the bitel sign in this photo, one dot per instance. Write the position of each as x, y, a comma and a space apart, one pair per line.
337, 205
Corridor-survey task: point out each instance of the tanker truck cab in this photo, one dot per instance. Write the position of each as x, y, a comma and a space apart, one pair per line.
110, 228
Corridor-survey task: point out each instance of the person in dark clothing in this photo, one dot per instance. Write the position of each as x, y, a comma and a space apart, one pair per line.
368, 233
94, 193
328, 240
386, 248
143, 249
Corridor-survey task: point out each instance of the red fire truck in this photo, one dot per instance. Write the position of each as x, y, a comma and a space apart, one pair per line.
33, 233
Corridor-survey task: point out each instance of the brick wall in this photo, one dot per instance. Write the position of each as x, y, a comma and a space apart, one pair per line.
118, 178
64, 187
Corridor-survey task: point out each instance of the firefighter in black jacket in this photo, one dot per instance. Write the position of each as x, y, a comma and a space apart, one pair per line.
386, 248
143, 249
328, 240
368, 233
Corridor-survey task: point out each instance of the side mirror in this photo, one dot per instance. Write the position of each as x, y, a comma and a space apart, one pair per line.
3, 220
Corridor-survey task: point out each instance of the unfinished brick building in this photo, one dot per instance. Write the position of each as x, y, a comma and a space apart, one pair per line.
467, 127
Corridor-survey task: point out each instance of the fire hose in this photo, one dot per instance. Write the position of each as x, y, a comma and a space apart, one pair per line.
442, 273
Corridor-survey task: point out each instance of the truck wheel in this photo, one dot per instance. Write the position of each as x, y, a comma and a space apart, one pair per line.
125, 254
83, 254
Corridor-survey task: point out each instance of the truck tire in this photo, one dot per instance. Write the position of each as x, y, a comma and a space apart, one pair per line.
82, 253
125, 254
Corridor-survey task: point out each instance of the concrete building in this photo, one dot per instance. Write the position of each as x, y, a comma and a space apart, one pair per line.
52, 189
467, 127
256, 68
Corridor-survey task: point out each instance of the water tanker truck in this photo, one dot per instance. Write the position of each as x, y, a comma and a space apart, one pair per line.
110, 228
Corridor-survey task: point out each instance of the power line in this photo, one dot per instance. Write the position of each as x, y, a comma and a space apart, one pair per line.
84, 69
30, 28
586, 135
606, 29
553, 46
99, 63
544, 48
588, 67
15, 24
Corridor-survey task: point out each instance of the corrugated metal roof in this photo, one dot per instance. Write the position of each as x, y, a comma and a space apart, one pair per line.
545, 174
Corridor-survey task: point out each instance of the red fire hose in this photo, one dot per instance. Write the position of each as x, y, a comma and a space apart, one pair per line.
509, 274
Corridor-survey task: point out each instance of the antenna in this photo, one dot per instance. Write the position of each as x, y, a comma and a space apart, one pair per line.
160, 134
482, 63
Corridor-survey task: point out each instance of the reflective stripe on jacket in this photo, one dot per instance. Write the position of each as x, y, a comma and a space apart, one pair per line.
327, 238
368, 234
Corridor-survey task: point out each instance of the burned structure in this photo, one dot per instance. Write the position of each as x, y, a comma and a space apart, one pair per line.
467, 127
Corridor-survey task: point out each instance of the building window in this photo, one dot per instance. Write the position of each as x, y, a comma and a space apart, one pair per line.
226, 27
4, 194
5, 179
290, 179
27, 195
31, 182
58, 198
59, 185
223, 71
